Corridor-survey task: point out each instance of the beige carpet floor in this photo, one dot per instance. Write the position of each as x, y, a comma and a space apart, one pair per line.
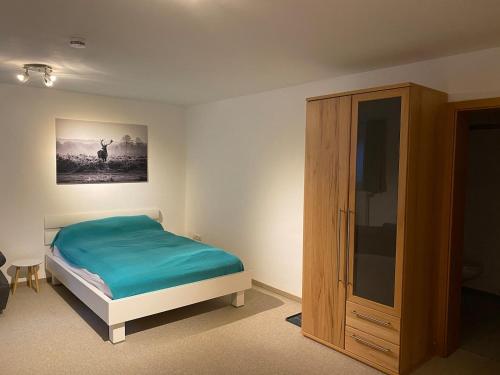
54, 333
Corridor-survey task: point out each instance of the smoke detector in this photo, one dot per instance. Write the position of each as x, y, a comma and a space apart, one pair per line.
77, 43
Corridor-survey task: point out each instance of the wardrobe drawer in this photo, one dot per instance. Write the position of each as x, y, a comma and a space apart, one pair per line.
373, 322
371, 348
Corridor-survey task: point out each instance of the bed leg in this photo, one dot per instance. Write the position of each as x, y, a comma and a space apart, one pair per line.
54, 281
238, 299
117, 333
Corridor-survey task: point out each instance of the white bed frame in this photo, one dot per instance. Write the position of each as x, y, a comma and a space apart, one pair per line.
116, 312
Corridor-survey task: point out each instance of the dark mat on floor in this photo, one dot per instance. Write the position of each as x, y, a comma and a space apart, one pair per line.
295, 319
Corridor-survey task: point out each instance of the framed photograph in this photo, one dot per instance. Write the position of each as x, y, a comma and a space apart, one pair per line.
90, 152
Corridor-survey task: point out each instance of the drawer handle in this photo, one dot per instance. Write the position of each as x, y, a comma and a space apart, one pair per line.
372, 319
370, 344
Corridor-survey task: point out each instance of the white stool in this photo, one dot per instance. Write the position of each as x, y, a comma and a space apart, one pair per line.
33, 265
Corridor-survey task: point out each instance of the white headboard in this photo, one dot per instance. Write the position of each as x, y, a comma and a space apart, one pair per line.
54, 223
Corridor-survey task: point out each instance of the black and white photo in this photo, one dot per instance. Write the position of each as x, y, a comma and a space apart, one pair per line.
90, 152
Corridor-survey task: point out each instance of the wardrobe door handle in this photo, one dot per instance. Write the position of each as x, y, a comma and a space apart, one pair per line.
339, 219
372, 319
348, 244
370, 344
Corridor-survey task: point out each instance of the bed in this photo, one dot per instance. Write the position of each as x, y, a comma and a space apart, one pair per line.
117, 301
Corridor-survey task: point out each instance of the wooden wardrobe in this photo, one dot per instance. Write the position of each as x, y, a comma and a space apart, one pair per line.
369, 238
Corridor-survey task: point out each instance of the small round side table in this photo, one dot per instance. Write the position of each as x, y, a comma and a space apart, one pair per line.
33, 265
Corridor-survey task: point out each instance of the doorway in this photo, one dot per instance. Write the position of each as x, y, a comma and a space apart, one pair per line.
480, 293
469, 270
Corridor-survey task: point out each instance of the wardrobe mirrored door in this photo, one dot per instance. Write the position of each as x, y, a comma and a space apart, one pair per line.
375, 236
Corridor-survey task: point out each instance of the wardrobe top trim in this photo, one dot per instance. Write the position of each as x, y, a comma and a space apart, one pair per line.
379, 88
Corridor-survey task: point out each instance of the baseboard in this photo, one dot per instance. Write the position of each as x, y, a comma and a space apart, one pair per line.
277, 291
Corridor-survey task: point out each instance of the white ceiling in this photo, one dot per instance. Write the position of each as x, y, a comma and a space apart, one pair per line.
191, 51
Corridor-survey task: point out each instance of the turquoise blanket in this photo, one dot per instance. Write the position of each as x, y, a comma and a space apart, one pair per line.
134, 255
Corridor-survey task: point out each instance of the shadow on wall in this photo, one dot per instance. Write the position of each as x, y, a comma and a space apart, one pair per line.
11, 272
217, 309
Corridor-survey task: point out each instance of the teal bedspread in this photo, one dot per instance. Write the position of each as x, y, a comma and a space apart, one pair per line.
134, 255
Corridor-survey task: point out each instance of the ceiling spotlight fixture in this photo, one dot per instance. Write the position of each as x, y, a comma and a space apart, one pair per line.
47, 80
23, 77
45, 70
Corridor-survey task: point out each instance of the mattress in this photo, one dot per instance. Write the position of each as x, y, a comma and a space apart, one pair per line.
134, 255
86, 275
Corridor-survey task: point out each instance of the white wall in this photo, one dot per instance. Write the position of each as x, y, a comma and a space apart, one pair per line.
241, 186
245, 160
28, 188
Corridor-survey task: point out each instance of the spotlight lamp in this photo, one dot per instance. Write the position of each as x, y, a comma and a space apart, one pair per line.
48, 77
48, 81
23, 77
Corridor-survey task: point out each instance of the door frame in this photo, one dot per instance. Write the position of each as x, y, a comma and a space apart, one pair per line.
453, 138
